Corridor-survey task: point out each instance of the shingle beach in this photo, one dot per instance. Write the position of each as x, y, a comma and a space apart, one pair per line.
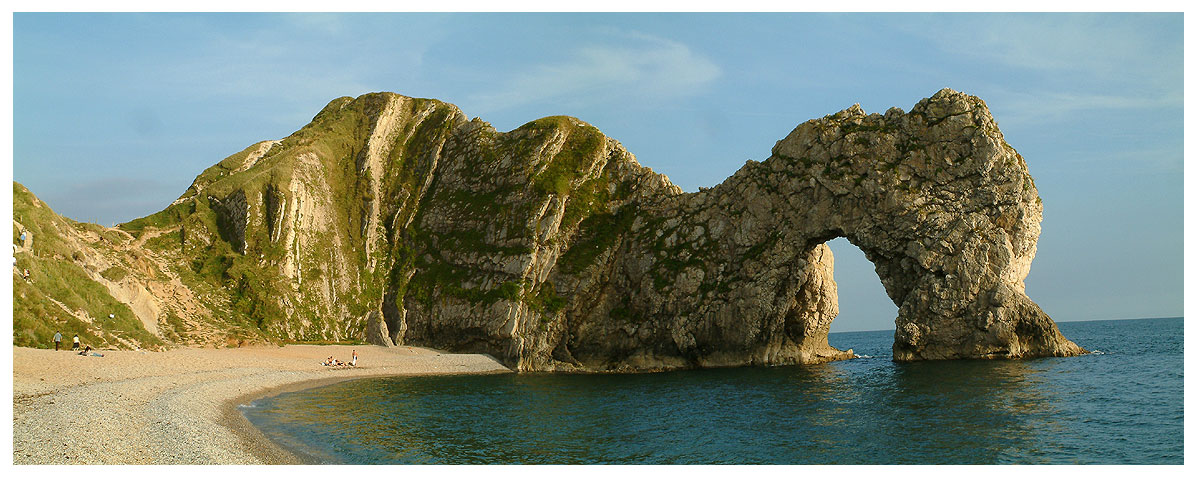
180, 406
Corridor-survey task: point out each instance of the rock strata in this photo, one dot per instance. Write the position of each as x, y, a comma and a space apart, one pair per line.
397, 220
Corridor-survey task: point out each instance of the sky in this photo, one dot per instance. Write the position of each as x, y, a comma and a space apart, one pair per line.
115, 114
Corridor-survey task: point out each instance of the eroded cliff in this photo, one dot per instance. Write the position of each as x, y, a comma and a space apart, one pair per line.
397, 220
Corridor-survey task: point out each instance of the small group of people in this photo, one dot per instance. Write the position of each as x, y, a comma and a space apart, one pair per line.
332, 362
84, 350
58, 341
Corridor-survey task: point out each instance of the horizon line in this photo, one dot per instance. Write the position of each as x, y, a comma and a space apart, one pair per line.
1054, 320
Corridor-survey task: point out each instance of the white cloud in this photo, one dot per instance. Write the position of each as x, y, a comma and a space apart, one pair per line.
641, 67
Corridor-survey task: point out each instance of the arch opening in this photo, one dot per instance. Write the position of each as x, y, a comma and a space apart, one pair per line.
861, 299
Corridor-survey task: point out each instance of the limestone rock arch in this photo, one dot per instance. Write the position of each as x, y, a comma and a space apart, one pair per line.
947, 212
740, 274
944, 208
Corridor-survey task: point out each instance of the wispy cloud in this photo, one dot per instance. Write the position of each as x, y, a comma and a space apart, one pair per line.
1066, 63
299, 54
1077, 44
636, 66
287, 55
1050, 70
321, 22
1040, 107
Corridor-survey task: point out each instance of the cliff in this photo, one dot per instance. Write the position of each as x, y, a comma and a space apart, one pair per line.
398, 221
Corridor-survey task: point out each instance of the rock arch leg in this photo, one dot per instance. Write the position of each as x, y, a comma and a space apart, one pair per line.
965, 298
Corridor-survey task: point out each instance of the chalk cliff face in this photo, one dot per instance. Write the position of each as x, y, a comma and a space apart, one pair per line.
398, 221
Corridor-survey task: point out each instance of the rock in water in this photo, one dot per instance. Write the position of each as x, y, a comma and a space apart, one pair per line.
396, 220
943, 207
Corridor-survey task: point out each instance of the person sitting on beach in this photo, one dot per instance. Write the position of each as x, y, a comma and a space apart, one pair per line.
86, 350
332, 362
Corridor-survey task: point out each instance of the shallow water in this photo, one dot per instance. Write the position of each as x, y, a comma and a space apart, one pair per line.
1123, 405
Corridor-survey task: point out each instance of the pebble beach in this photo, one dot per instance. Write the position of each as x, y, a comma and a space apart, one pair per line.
180, 406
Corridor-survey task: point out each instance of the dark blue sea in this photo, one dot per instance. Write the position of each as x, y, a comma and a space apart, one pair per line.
1122, 404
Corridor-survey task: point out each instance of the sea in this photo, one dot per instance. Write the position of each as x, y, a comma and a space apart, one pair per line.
1121, 404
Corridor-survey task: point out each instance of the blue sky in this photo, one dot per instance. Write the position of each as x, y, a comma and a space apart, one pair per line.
115, 114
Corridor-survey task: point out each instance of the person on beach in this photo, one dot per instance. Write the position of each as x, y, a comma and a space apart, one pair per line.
57, 340
354, 362
75, 346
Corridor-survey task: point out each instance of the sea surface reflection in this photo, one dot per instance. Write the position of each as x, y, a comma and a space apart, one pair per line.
1122, 406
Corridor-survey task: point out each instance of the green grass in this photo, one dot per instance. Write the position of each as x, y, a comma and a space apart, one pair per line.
591, 197
244, 290
437, 276
175, 329
545, 299
54, 273
168, 217
36, 318
597, 233
172, 241
115, 273
248, 286
35, 315
866, 126
582, 144
39, 220
323, 342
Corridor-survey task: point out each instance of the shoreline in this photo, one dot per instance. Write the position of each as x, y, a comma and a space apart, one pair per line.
181, 406
256, 442
260, 445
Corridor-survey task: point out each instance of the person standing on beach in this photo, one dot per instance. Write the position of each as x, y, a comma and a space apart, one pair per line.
354, 362
75, 346
57, 340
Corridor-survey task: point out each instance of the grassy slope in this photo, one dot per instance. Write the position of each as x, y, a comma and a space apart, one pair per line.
245, 291
248, 290
55, 271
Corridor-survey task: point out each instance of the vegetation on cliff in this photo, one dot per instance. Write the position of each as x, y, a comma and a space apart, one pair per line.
397, 220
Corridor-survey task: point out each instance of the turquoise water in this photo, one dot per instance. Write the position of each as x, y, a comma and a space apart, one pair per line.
1123, 405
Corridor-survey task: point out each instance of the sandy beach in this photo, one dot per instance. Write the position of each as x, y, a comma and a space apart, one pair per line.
180, 406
